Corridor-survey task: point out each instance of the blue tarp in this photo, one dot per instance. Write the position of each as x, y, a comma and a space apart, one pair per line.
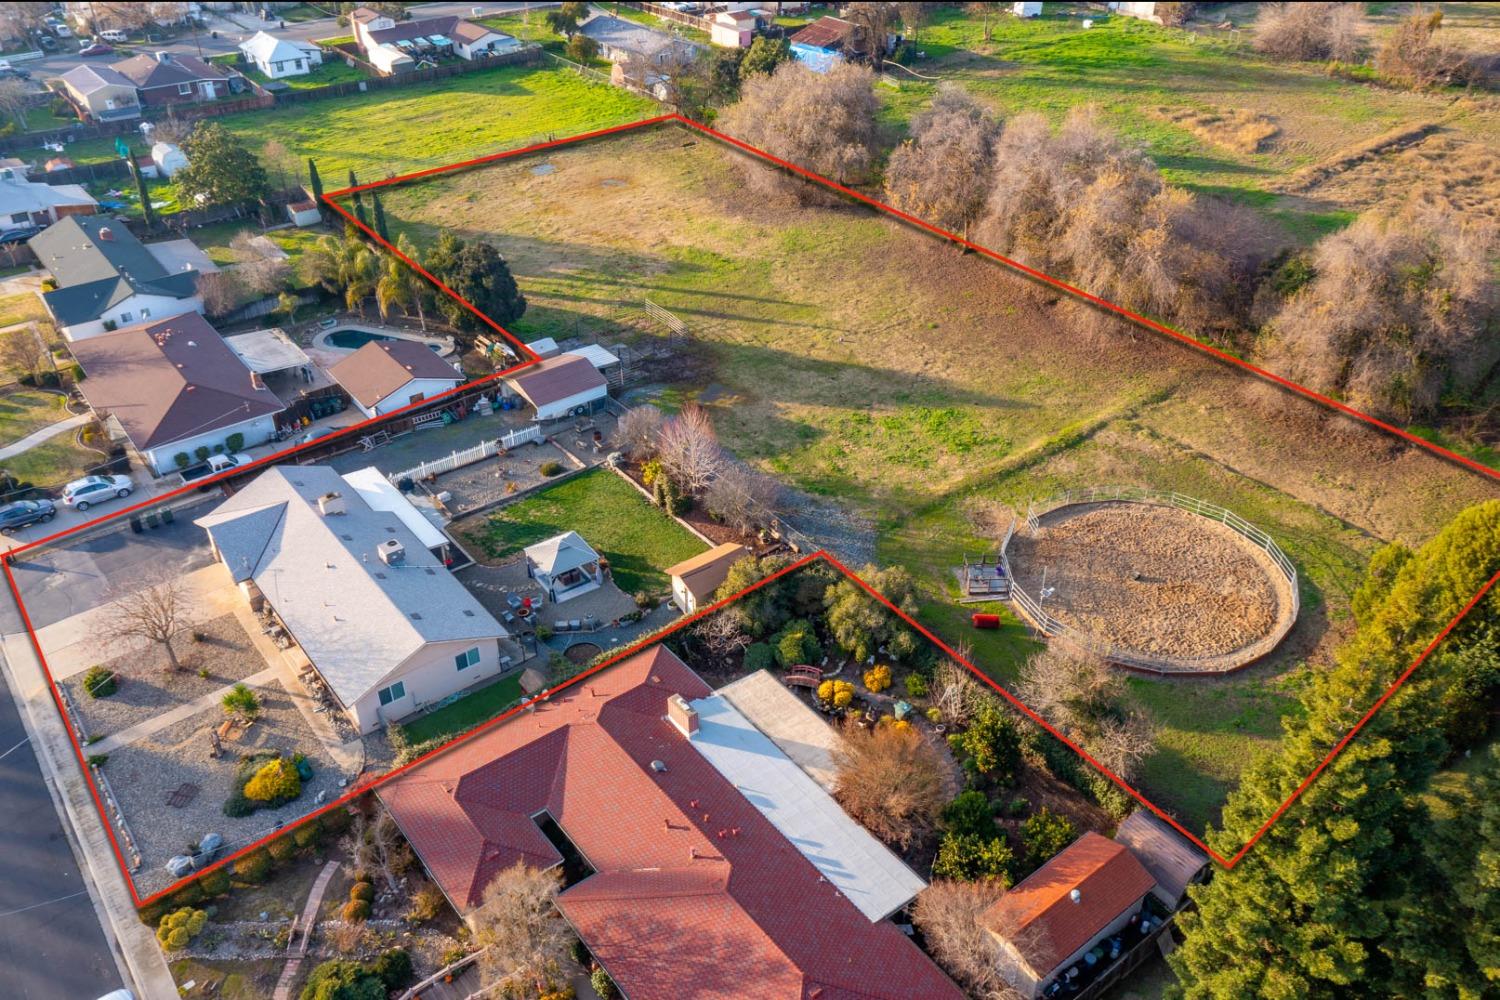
816, 59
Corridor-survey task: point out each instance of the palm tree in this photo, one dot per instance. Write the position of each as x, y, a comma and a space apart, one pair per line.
401, 285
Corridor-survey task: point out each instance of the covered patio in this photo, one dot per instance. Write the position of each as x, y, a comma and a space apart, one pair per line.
565, 566
285, 369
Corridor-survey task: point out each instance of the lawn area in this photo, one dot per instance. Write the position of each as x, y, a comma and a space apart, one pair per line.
53, 463
21, 307
215, 241
28, 410
404, 129
639, 541
867, 365
467, 712
333, 70
1177, 91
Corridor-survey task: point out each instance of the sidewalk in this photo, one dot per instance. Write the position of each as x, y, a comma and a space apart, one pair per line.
137, 943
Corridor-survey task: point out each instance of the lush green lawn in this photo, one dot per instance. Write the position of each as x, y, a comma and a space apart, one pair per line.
27, 410
21, 307
215, 241
403, 129
52, 463
638, 540
467, 712
333, 70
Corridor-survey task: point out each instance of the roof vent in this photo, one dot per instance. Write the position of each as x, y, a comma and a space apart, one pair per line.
391, 552
163, 57
106, 234
659, 766
1076, 896
256, 382
330, 504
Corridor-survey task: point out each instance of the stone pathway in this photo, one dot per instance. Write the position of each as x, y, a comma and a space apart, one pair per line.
188, 709
308, 921
45, 434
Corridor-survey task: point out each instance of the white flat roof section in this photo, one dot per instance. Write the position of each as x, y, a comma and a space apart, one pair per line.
267, 351
598, 356
379, 494
790, 722
858, 865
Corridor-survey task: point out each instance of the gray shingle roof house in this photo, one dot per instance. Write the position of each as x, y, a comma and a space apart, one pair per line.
379, 617
619, 39
107, 278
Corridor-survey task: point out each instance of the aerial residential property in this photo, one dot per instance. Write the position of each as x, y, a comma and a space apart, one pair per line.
791, 501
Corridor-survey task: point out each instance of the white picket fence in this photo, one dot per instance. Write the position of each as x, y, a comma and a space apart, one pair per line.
468, 456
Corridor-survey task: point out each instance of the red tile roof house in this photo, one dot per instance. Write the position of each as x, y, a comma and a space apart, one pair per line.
168, 78
695, 891
1047, 924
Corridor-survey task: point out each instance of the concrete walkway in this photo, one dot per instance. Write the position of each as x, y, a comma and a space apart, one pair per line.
134, 734
45, 434
308, 922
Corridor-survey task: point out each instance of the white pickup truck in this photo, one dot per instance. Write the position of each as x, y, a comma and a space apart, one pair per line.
212, 466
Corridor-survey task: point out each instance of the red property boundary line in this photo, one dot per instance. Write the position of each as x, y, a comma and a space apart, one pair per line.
530, 358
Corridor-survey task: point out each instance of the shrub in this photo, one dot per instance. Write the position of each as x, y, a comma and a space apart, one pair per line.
797, 644
307, 835
215, 882
362, 891
235, 441
1044, 833
878, 678
758, 656
394, 968
253, 868
581, 48
275, 782
281, 849
970, 813
916, 686
242, 702
426, 904
179, 927
934, 715
202, 451
356, 910
603, 985
341, 979
99, 682
968, 857
551, 467
183, 459
838, 694
97, 759
991, 742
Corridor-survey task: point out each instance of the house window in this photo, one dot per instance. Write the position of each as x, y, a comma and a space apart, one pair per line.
126, 317
280, 65
21, 217
466, 660
185, 89
416, 398
297, 65
395, 692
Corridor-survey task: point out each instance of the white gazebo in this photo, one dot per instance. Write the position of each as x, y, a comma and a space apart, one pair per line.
565, 566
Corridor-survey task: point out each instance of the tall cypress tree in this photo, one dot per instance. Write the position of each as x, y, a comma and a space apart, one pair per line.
315, 182
379, 218
147, 213
359, 201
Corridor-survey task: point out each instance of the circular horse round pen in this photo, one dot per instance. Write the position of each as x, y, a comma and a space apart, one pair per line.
1151, 581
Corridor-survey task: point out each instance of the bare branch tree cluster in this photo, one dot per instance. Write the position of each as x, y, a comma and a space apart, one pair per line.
689, 450
943, 172
949, 917
1311, 32
638, 430
954, 691
890, 780
525, 940
1413, 56
156, 612
739, 496
1085, 698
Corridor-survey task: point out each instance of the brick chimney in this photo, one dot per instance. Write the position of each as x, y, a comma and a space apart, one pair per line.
682, 715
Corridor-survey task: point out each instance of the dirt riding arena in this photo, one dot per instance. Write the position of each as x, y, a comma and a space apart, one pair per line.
1156, 582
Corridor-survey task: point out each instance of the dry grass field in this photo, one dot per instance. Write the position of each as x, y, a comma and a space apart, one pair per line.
865, 363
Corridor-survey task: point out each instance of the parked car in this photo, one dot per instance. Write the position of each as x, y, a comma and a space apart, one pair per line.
114, 35
61, 30
23, 512
321, 432
10, 72
212, 466
47, 42
19, 235
82, 494
95, 49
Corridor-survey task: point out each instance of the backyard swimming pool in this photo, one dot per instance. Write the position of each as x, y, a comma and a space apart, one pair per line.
352, 338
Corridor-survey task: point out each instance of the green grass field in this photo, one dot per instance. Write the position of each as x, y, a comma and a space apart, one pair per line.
215, 241
395, 131
25, 411
639, 541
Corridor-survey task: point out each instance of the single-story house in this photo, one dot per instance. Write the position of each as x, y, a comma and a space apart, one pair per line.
1093, 890
695, 580
102, 91
1174, 863
385, 375
639, 771
388, 43
173, 386
384, 624
106, 278
733, 29
820, 45
620, 40
565, 566
25, 204
279, 57
559, 386
304, 213
163, 78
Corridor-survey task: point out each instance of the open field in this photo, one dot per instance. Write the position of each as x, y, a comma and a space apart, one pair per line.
392, 131
1196, 99
859, 360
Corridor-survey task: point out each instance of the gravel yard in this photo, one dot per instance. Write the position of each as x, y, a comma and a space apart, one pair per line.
147, 773
146, 689
492, 480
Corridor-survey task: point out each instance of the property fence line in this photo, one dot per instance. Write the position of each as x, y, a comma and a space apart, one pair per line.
668, 14
1031, 608
675, 326
468, 456
579, 68
112, 809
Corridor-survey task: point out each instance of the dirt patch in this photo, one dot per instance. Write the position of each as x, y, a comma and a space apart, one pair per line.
1240, 129
1441, 170
1345, 159
1155, 580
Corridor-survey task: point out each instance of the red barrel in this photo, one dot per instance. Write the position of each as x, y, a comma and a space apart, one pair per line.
985, 621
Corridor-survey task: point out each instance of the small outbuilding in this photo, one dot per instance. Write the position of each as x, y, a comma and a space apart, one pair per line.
695, 580
565, 566
1173, 862
385, 375
560, 386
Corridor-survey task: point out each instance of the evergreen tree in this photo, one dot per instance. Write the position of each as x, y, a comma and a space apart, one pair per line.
147, 213
480, 276
315, 183
380, 218
359, 200
221, 169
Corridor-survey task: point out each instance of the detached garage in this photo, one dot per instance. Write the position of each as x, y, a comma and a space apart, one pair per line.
560, 386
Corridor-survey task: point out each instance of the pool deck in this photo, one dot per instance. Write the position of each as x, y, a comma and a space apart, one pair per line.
321, 340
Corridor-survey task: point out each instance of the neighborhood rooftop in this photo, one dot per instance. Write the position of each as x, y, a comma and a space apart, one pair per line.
97, 262
356, 617
679, 853
381, 367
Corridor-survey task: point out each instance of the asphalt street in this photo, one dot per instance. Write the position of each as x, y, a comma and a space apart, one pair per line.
51, 944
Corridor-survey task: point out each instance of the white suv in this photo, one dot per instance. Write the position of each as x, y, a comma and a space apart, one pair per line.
84, 493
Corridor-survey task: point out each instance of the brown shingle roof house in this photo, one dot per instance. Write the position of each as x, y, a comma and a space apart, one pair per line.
695, 580
385, 375
690, 891
559, 384
173, 384
1092, 889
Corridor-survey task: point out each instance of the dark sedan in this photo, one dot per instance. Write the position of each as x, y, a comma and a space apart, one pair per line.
24, 512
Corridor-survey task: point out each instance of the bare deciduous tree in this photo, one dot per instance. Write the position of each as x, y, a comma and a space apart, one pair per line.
873, 23
955, 693
1412, 56
638, 431
15, 97
524, 939
987, 12
890, 780
723, 633
156, 612
375, 845
689, 450
223, 291
1310, 31
943, 174
824, 122
948, 915
1085, 698
741, 497
23, 350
